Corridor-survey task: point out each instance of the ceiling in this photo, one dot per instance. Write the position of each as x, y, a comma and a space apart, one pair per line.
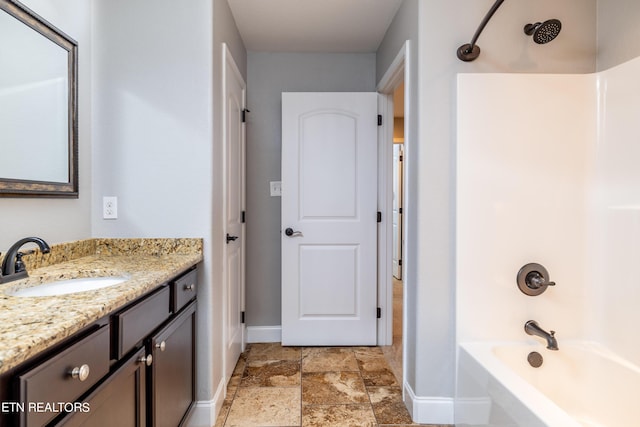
313, 25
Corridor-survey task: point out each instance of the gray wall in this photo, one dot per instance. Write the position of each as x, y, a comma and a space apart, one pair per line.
618, 32
59, 220
158, 137
268, 75
405, 26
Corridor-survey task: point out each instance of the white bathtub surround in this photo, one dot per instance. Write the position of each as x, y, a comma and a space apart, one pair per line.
524, 142
547, 172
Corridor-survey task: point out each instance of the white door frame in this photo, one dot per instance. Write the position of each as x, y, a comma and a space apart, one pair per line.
228, 62
397, 72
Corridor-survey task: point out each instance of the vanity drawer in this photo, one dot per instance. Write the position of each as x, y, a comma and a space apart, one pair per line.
63, 378
185, 289
136, 322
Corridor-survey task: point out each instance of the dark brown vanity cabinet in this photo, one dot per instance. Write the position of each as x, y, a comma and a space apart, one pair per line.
132, 368
172, 382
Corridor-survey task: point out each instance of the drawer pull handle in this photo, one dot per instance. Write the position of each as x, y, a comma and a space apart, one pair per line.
148, 360
161, 346
190, 287
81, 373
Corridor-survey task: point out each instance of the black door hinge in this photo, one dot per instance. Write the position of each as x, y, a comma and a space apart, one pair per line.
399, 211
379, 119
379, 313
242, 317
399, 263
244, 114
243, 217
379, 217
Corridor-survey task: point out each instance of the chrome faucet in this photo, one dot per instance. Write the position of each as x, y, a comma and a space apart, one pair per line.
532, 328
12, 266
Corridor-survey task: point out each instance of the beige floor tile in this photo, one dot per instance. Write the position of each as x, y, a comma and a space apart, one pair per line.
271, 373
367, 351
272, 351
388, 406
375, 370
325, 359
265, 406
338, 416
327, 388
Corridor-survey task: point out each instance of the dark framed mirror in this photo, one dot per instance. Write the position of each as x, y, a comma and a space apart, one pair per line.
38, 106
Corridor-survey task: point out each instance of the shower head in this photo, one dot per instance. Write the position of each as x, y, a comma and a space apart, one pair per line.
543, 32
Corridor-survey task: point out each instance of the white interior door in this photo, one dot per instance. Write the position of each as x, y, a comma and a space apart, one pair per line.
329, 218
397, 211
234, 187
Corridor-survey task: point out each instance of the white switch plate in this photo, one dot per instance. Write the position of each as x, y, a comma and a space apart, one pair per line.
276, 188
109, 207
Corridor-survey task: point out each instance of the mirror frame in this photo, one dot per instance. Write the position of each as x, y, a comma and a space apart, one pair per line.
29, 188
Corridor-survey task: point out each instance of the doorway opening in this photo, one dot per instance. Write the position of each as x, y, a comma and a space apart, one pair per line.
395, 352
394, 147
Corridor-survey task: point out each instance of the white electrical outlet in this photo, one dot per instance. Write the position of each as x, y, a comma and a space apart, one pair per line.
276, 188
109, 207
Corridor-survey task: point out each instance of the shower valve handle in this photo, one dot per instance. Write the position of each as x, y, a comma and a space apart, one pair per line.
535, 280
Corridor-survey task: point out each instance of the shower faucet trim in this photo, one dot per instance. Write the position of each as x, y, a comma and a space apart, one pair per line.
533, 279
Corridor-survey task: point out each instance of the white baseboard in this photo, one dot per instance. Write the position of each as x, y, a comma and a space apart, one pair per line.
257, 334
429, 410
206, 411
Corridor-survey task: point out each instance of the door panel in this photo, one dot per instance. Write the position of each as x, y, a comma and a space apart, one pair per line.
329, 199
324, 293
322, 170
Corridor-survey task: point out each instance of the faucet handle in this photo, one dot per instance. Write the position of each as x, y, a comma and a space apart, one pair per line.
19, 264
552, 333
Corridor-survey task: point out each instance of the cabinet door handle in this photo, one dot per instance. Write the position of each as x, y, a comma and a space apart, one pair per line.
148, 360
190, 287
161, 346
81, 373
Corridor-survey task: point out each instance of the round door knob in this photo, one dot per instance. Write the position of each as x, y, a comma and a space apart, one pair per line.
161, 346
81, 373
190, 287
147, 360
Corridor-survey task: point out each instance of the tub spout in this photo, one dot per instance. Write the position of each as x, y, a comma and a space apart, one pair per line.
532, 328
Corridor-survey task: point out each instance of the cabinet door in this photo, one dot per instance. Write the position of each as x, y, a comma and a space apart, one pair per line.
119, 401
173, 370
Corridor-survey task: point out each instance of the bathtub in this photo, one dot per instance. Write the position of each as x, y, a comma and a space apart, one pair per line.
581, 385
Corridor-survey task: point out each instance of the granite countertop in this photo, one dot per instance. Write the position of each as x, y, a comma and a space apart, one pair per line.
29, 325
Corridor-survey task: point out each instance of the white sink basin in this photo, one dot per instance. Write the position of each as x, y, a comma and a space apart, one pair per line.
70, 286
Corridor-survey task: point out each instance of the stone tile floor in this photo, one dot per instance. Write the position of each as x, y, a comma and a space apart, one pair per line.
313, 387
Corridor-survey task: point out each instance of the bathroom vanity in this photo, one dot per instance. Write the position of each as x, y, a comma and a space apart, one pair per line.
123, 355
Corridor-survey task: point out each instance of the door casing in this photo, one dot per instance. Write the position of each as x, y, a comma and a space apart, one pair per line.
234, 331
